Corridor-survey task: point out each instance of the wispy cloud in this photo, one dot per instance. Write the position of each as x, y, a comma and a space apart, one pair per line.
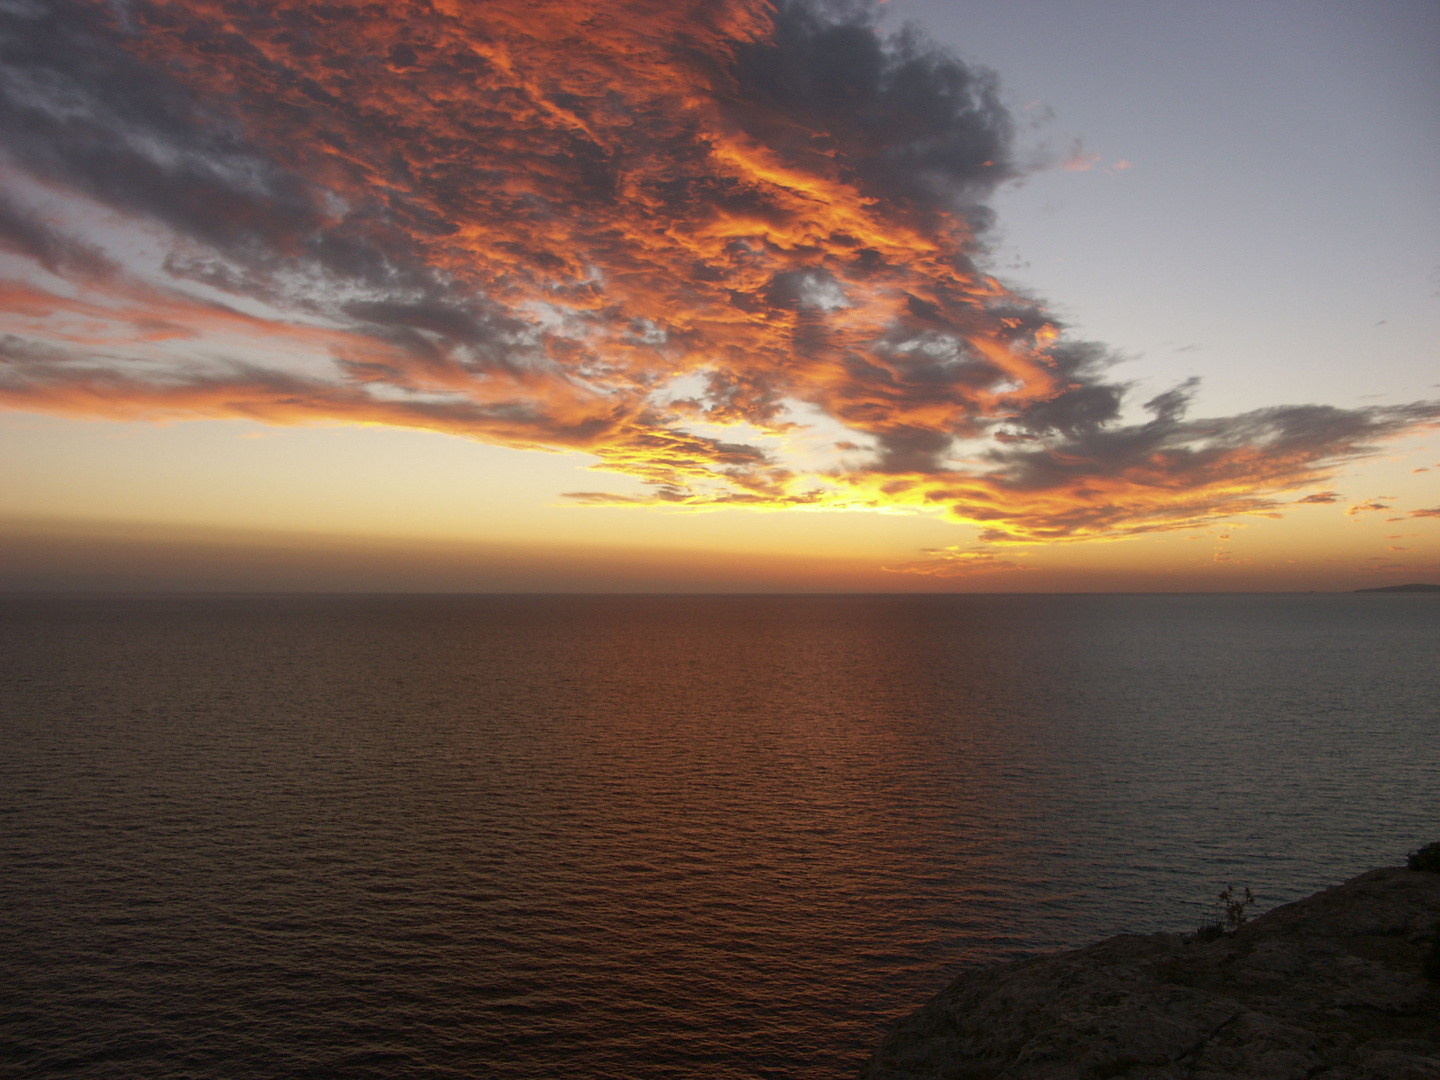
675, 235
956, 562
1370, 506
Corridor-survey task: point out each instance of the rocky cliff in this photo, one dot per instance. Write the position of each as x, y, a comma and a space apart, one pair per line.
1332, 986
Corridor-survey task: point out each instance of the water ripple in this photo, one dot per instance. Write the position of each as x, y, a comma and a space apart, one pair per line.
651, 836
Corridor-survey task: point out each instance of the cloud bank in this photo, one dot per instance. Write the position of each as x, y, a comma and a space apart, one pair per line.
731, 248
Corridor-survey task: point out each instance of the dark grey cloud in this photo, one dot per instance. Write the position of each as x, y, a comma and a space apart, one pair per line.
22, 231
78, 109
1249, 448
914, 124
811, 287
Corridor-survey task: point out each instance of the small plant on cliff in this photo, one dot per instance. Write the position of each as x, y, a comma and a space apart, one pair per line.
1234, 905
1427, 858
1231, 913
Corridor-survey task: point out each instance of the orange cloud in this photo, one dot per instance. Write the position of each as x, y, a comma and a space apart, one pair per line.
1357, 509
955, 562
676, 235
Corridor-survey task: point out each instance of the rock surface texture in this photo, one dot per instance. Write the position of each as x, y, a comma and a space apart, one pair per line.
1331, 986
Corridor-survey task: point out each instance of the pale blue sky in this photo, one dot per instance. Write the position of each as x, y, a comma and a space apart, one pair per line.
1281, 199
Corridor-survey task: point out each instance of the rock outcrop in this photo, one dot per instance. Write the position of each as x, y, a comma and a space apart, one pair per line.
1332, 986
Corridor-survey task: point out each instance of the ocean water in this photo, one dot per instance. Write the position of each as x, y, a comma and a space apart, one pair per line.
630, 836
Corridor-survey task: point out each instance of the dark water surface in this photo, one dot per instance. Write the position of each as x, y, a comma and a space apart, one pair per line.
651, 836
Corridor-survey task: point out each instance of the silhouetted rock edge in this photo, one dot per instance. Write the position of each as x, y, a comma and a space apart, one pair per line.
1330, 986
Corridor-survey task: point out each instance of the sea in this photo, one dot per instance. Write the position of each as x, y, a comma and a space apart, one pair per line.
652, 836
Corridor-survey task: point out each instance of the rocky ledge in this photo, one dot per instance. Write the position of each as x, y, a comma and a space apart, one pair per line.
1332, 986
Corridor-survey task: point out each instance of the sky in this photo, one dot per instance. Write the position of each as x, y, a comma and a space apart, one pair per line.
719, 295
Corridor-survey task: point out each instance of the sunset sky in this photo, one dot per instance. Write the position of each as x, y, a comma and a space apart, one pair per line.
719, 294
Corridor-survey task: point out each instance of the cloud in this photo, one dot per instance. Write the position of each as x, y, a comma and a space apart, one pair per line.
1320, 497
666, 234
1430, 511
1357, 509
955, 562
27, 235
1079, 159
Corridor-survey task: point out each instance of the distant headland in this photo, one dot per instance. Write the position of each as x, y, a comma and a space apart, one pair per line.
1416, 586
1345, 983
